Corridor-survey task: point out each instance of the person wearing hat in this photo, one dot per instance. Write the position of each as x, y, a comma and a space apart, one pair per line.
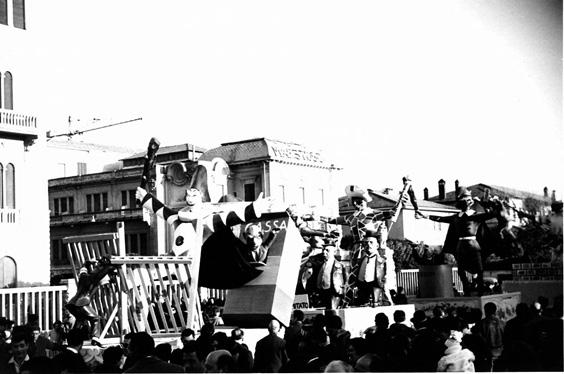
465, 238
372, 271
359, 221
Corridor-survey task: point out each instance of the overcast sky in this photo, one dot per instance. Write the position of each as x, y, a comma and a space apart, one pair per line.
468, 90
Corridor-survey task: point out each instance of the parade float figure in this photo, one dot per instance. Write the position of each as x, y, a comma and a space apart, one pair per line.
223, 264
80, 304
372, 270
466, 237
359, 221
256, 245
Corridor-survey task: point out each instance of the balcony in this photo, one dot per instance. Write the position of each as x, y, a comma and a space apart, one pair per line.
91, 217
17, 125
9, 216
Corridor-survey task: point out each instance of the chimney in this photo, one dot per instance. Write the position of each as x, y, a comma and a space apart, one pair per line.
425, 193
545, 190
553, 197
441, 189
456, 188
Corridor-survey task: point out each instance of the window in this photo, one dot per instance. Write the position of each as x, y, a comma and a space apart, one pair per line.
1, 186
136, 243
4, 12
63, 205
128, 199
59, 255
81, 168
301, 195
8, 97
321, 197
19, 14
96, 202
282, 193
249, 192
10, 186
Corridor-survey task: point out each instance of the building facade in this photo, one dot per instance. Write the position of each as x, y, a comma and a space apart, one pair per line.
24, 217
94, 203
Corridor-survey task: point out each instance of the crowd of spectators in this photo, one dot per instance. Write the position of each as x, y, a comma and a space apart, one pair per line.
457, 339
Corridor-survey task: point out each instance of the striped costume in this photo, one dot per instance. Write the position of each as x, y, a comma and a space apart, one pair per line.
215, 217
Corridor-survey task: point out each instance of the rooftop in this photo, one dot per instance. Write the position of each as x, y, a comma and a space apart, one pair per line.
495, 190
186, 147
82, 146
264, 149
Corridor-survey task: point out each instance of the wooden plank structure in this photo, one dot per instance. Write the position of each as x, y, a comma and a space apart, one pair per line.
152, 293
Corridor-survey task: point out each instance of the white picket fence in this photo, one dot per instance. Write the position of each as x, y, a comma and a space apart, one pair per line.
17, 304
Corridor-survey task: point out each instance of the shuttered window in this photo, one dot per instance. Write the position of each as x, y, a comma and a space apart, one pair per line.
8, 91
1, 186
4, 12
10, 186
19, 13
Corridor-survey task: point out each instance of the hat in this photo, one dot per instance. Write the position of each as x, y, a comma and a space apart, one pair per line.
464, 193
419, 316
353, 191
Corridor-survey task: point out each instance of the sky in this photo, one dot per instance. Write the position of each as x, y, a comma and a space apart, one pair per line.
468, 90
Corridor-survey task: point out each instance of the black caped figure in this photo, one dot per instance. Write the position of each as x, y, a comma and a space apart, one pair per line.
466, 237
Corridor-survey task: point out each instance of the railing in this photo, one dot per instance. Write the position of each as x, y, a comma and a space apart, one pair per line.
47, 303
8, 216
408, 279
14, 122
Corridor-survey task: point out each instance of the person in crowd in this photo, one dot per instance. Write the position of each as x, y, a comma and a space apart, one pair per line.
190, 358
163, 351
20, 344
240, 352
112, 357
70, 359
338, 337
142, 350
401, 297
455, 357
294, 333
419, 320
356, 348
42, 345
216, 319
205, 341
399, 327
39, 365
491, 328
186, 336
338, 366
270, 351
212, 363
125, 346
378, 336
518, 327
439, 322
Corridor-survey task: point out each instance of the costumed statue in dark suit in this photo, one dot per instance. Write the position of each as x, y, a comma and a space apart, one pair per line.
467, 236
372, 270
256, 245
88, 282
221, 251
330, 277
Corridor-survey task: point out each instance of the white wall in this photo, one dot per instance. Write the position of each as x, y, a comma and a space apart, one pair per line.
419, 230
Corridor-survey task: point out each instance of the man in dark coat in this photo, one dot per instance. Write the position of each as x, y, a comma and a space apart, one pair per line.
270, 351
142, 349
70, 359
466, 238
